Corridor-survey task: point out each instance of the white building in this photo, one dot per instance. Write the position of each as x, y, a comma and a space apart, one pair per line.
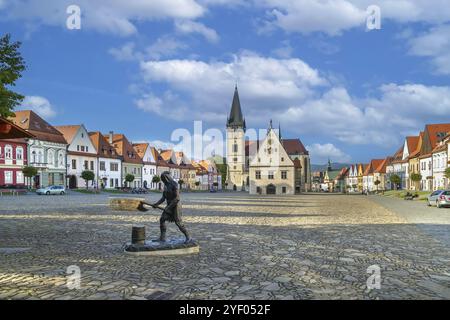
426, 171
149, 170
81, 156
272, 171
109, 163
439, 156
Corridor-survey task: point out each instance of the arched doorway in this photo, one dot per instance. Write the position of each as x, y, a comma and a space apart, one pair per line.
145, 184
234, 188
271, 189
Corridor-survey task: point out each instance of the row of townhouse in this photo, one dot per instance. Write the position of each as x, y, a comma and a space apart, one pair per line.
61, 153
420, 163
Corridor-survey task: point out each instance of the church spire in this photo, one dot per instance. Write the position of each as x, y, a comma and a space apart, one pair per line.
236, 120
279, 132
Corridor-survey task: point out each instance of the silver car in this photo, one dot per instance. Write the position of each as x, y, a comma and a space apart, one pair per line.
52, 190
439, 198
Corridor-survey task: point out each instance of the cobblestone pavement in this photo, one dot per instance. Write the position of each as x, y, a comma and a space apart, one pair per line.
294, 247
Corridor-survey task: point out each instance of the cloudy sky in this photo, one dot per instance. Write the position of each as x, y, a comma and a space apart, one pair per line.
148, 67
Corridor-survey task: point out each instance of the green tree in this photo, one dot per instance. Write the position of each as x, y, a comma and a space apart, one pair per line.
129, 178
29, 172
156, 179
377, 183
416, 178
87, 176
396, 180
11, 67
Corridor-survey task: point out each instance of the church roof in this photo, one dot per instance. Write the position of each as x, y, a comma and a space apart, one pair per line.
294, 147
236, 119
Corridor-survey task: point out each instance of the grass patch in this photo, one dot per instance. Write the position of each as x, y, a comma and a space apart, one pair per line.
423, 195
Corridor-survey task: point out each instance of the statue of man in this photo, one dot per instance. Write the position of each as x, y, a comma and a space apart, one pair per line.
172, 212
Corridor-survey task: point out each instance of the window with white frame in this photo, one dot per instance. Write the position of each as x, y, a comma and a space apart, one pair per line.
19, 177
51, 157
60, 159
8, 177
8, 152
19, 154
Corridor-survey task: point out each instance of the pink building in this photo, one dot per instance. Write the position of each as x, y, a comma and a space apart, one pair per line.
13, 157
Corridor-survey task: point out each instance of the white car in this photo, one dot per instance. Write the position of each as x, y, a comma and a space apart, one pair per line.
61, 190
439, 198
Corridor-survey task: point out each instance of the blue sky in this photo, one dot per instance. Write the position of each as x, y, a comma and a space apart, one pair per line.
146, 68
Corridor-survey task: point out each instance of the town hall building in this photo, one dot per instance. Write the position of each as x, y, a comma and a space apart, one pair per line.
270, 165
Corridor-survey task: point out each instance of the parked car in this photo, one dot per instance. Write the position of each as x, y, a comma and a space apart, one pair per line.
439, 198
52, 190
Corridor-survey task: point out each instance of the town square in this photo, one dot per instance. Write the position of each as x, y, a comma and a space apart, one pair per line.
315, 246
189, 153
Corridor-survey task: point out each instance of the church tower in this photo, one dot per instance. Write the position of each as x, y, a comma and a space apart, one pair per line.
236, 176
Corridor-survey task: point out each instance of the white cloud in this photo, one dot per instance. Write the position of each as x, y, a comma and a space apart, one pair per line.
336, 16
110, 16
188, 27
164, 46
435, 44
264, 82
290, 91
285, 51
320, 153
126, 53
40, 105
398, 111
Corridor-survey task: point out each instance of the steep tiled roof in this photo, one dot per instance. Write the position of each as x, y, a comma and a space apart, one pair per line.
294, 147
343, 173
41, 129
381, 168
412, 143
415, 153
437, 132
9, 130
68, 132
159, 160
125, 149
101, 144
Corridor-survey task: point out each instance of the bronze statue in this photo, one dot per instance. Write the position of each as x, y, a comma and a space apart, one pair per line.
172, 212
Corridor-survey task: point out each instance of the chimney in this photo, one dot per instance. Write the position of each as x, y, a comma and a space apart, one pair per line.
111, 135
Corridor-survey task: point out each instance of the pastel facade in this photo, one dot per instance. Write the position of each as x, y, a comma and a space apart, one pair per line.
81, 156
46, 150
109, 163
13, 158
149, 170
132, 164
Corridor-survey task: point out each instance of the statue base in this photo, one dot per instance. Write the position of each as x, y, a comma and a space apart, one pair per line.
171, 247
